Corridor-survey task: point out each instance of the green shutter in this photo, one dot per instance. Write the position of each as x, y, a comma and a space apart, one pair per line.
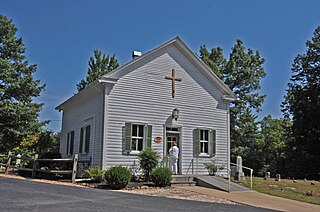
196, 142
127, 138
87, 139
149, 136
212, 142
81, 140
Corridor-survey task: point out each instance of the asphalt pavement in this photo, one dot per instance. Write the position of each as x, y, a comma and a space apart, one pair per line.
25, 195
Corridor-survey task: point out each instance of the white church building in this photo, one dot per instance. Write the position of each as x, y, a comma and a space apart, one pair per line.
165, 95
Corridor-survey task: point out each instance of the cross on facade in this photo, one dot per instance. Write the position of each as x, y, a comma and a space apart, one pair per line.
174, 79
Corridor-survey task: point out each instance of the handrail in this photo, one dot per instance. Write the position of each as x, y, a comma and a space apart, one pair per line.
191, 163
251, 172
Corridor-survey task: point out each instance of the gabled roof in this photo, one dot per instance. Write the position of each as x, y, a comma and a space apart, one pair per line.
117, 73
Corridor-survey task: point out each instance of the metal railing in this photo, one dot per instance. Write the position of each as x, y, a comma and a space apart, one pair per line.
251, 172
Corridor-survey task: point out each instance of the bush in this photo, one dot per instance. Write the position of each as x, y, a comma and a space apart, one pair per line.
211, 166
94, 173
117, 177
161, 176
149, 159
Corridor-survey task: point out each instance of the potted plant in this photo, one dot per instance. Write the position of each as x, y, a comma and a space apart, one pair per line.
211, 166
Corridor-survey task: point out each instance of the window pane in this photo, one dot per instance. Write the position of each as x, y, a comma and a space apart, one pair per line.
140, 144
134, 144
140, 131
134, 130
206, 132
201, 135
206, 149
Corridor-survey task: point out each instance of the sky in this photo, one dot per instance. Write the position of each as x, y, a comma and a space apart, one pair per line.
61, 35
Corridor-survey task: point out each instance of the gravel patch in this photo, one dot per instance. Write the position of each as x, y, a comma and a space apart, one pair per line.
177, 193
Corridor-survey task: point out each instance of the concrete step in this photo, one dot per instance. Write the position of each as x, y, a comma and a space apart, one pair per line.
183, 180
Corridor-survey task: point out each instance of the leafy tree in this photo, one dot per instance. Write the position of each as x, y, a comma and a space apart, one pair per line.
18, 111
99, 64
242, 73
48, 144
273, 144
302, 103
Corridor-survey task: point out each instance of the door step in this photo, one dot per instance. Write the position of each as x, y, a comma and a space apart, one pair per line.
183, 180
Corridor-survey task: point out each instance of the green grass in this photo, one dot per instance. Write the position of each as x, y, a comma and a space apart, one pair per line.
287, 189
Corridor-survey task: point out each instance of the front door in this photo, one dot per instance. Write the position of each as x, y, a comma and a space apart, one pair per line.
173, 135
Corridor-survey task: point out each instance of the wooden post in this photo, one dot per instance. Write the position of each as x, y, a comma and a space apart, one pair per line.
75, 166
34, 165
8, 162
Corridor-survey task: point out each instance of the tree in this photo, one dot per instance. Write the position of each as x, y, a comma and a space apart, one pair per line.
18, 88
242, 73
273, 144
302, 103
99, 64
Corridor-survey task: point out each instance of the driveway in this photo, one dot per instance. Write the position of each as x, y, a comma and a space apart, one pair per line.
24, 195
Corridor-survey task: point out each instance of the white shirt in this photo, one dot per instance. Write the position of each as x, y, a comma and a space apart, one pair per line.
174, 151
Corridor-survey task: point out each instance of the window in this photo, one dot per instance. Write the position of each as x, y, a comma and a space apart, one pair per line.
204, 141
70, 142
85, 136
136, 137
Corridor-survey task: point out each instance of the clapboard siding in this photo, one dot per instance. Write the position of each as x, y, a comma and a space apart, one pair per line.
144, 95
86, 111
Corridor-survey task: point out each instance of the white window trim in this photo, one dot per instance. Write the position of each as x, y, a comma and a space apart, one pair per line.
143, 125
202, 130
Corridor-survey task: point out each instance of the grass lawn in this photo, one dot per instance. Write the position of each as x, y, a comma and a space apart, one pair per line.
288, 189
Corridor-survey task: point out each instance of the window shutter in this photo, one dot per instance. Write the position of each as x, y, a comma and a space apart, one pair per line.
88, 133
212, 142
127, 138
68, 140
196, 142
72, 143
149, 136
81, 140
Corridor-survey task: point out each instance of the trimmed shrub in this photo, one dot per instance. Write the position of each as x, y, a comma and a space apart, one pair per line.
161, 176
149, 159
94, 173
117, 177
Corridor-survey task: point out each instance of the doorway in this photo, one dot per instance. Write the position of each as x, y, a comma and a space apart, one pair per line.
173, 135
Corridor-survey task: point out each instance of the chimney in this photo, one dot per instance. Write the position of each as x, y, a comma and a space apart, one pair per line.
136, 54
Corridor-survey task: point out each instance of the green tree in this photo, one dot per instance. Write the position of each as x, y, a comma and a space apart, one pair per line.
302, 104
273, 144
18, 88
99, 64
242, 73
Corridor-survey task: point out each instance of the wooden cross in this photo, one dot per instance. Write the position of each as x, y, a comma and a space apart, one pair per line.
174, 79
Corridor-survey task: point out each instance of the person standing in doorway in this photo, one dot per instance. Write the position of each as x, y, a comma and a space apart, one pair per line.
174, 156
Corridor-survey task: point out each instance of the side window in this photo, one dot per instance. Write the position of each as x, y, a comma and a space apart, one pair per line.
85, 137
70, 142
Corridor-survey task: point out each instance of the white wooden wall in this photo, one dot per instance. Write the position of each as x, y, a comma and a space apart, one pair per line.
144, 95
87, 110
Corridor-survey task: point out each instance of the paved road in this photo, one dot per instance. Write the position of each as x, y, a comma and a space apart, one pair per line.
23, 195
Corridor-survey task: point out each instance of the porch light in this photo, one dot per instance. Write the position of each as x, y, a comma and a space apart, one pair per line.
175, 114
